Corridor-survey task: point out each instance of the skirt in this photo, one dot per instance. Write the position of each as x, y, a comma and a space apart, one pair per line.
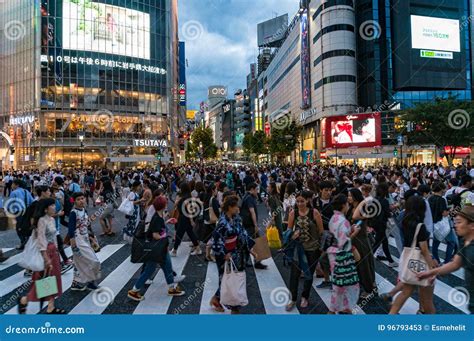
53, 254
86, 263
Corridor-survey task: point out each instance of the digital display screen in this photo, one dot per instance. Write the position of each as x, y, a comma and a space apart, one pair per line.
354, 130
97, 27
435, 34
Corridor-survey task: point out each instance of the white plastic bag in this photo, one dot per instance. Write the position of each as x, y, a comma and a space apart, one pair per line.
441, 229
126, 207
31, 257
233, 286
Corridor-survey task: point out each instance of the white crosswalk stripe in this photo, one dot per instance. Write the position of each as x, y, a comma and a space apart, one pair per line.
158, 302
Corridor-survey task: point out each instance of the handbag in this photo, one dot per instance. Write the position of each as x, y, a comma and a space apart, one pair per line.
262, 248
47, 286
273, 238
144, 250
441, 229
412, 262
31, 256
345, 271
233, 286
126, 207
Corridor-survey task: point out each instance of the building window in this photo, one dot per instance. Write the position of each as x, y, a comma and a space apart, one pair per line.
334, 79
333, 28
332, 3
334, 53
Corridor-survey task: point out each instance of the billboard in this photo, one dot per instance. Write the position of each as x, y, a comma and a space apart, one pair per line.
271, 33
97, 27
305, 63
364, 130
435, 34
217, 91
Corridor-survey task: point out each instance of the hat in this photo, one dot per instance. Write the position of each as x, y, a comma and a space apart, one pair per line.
468, 213
160, 203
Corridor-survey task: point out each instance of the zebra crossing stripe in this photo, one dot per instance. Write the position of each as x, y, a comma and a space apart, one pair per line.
106, 252
156, 299
210, 287
13, 282
10, 261
384, 285
97, 301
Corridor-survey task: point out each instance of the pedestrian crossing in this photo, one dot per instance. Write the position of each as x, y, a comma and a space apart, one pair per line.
267, 289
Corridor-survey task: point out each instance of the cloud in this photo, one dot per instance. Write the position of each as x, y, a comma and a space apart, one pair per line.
226, 40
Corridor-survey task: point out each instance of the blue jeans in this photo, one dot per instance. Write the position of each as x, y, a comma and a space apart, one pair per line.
451, 247
149, 269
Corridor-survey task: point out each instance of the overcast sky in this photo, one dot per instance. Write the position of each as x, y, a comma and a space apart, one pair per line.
221, 40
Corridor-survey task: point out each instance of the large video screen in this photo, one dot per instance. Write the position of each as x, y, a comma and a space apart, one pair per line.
435, 34
97, 27
356, 130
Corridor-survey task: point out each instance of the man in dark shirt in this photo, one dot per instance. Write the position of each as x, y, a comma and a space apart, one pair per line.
249, 215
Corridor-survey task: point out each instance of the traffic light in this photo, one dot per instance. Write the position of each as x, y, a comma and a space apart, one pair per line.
395, 152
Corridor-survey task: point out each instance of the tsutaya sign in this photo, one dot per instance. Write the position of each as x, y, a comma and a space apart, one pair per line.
150, 143
18, 121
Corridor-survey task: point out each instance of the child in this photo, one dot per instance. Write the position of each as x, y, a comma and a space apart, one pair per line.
86, 263
464, 222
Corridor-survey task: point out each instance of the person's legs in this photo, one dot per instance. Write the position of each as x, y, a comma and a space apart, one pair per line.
312, 257
180, 230
451, 241
168, 269
434, 249
220, 269
426, 300
386, 250
60, 242
148, 270
192, 236
294, 279
407, 291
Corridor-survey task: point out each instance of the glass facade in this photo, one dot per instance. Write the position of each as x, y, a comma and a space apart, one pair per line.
115, 84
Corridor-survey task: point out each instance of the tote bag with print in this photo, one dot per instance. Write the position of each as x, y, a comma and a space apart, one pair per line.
412, 262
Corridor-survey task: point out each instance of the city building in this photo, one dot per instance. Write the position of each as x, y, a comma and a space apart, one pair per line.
242, 121
87, 82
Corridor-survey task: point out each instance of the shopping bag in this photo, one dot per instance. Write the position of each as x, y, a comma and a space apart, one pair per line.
233, 286
126, 207
412, 262
31, 257
47, 286
273, 238
345, 271
441, 229
262, 249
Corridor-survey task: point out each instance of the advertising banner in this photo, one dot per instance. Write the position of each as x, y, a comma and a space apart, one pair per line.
305, 63
362, 130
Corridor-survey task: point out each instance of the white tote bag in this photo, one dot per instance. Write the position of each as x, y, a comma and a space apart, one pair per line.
126, 207
441, 229
413, 262
233, 286
31, 257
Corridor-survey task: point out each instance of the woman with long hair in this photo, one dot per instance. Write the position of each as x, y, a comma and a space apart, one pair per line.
134, 218
45, 235
414, 215
275, 206
108, 204
211, 215
366, 264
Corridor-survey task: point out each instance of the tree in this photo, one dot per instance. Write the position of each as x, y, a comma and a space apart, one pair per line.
255, 144
443, 123
285, 137
205, 137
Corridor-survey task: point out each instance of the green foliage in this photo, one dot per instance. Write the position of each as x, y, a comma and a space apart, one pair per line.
443, 123
205, 137
284, 139
255, 144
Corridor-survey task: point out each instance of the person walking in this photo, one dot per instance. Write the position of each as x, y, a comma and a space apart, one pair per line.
135, 217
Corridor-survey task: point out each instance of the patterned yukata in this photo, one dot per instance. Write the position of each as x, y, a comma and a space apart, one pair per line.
345, 297
133, 220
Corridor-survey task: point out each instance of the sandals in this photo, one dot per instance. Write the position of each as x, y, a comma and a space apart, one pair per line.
56, 311
21, 307
216, 305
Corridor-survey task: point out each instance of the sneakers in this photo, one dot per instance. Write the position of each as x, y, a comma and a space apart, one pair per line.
135, 295
177, 291
392, 264
76, 286
28, 273
92, 286
324, 285
179, 278
149, 282
196, 251
173, 253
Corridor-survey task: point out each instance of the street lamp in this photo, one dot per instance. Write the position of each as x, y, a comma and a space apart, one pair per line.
201, 149
81, 136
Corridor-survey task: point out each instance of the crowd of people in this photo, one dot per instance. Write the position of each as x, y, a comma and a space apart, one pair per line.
333, 222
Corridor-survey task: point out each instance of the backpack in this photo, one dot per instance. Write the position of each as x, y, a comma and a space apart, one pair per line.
456, 199
68, 203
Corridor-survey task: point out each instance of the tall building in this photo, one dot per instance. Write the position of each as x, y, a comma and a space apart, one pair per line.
87, 80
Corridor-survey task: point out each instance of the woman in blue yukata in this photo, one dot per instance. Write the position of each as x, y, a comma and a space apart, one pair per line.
230, 241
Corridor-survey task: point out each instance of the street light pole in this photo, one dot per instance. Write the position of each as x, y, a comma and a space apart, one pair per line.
201, 149
81, 136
